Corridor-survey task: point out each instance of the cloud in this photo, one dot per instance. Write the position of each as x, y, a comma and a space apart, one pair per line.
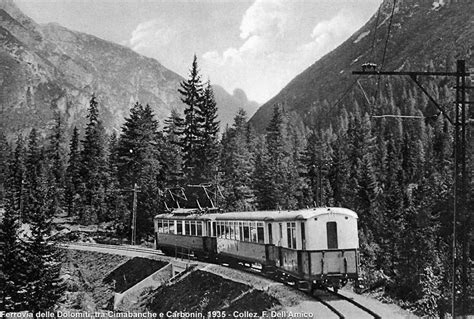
328, 34
266, 18
151, 35
273, 50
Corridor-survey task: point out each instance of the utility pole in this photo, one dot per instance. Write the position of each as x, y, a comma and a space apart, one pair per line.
461, 215
134, 214
135, 190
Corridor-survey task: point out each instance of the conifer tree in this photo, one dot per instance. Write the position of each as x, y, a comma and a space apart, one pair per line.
18, 176
12, 251
209, 135
237, 165
94, 166
56, 156
140, 163
316, 162
4, 160
115, 197
44, 286
34, 168
172, 155
272, 166
190, 130
73, 175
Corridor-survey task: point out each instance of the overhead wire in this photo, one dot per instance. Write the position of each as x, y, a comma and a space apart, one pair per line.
345, 93
388, 34
373, 50
384, 50
374, 40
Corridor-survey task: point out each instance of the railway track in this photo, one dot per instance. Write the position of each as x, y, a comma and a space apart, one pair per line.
342, 306
343, 310
117, 247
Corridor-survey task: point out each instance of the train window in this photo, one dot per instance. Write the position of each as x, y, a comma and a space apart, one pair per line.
236, 231
165, 226
253, 231
231, 230
241, 227
291, 233
179, 227
246, 231
193, 228
331, 229
187, 227
171, 226
260, 233
160, 226
222, 230
199, 228
227, 230
214, 229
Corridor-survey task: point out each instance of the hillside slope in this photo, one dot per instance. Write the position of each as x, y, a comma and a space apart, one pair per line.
423, 34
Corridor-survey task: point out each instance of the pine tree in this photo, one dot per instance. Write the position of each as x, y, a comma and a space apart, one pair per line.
140, 163
18, 175
272, 166
56, 156
316, 166
4, 159
209, 135
94, 166
172, 156
190, 130
12, 251
73, 175
237, 165
44, 285
115, 197
34, 168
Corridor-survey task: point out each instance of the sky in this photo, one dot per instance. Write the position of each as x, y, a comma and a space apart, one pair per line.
256, 45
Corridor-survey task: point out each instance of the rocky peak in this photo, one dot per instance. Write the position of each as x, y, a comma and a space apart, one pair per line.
18, 24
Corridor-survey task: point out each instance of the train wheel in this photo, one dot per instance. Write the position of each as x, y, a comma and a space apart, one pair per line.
305, 286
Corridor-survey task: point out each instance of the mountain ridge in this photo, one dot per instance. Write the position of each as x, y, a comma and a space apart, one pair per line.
421, 31
48, 68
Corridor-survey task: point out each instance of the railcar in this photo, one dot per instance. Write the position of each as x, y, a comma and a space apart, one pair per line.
317, 247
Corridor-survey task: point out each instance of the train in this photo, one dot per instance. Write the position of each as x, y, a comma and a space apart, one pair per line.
315, 247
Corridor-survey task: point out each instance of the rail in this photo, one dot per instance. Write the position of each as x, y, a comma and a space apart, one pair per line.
285, 279
355, 303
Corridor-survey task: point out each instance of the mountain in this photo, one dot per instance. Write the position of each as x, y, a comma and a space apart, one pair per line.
229, 104
49, 68
424, 34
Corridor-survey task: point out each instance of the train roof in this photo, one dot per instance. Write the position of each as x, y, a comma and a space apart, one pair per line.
280, 215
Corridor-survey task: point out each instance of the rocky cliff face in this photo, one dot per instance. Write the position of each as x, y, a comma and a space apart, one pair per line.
424, 34
229, 105
48, 68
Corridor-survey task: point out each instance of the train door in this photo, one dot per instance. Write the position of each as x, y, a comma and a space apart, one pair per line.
208, 229
331, 230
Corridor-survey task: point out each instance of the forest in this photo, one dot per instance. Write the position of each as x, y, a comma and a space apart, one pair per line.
396, 173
